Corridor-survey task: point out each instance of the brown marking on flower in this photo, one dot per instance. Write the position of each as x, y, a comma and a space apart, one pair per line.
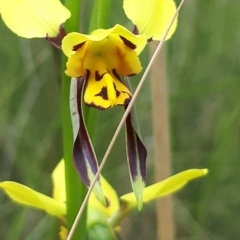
128, 43
96, 106
107, 201
88, 72
76, 47
57, 40
114, 71
117, 92
98, 77
133, 74
127, 100
103, 93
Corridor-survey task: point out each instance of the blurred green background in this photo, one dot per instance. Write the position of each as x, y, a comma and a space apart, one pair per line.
203, 60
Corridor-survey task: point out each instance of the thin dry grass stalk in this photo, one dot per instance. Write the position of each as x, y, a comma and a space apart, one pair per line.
162, 162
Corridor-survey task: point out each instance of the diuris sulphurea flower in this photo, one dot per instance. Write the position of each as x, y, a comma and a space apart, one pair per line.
101, 58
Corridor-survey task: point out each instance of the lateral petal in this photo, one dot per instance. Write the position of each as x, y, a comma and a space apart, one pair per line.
59, 185
151, 17
30, 19
27, 196
165, 187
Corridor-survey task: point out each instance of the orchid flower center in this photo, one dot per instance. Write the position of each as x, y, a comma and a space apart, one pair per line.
101, 59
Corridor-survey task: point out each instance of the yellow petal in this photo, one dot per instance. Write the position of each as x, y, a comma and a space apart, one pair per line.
75, 67
27, 196
106, 92
151, 17
73, 39
129, 63
111, 196
138, 40
111, 199
59, 187
34, 18
165, 187
70, 41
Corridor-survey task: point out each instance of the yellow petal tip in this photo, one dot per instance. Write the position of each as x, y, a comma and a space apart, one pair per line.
205, 171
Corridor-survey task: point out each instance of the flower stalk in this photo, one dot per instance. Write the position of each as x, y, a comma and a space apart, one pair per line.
75, 189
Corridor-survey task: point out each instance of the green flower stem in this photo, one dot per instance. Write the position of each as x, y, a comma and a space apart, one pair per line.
99, 19
100, 15
75, 189
73, 23
119, 215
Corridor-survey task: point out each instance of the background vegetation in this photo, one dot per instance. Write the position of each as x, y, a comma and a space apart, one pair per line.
204, 93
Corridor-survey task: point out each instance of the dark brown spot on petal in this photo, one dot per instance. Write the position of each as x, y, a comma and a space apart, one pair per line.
133, 74
88, 72
107, 201
128, 43
114, 71
127, 100
103, 93
98, 77
150, 39
117, 92
96, 106
76, 47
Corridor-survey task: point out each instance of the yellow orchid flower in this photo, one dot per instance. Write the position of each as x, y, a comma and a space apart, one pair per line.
31, 19
102, 57
113, 211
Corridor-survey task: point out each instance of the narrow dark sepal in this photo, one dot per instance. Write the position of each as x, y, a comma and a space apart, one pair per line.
136, 151
57, 41
136, 155
83, 153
